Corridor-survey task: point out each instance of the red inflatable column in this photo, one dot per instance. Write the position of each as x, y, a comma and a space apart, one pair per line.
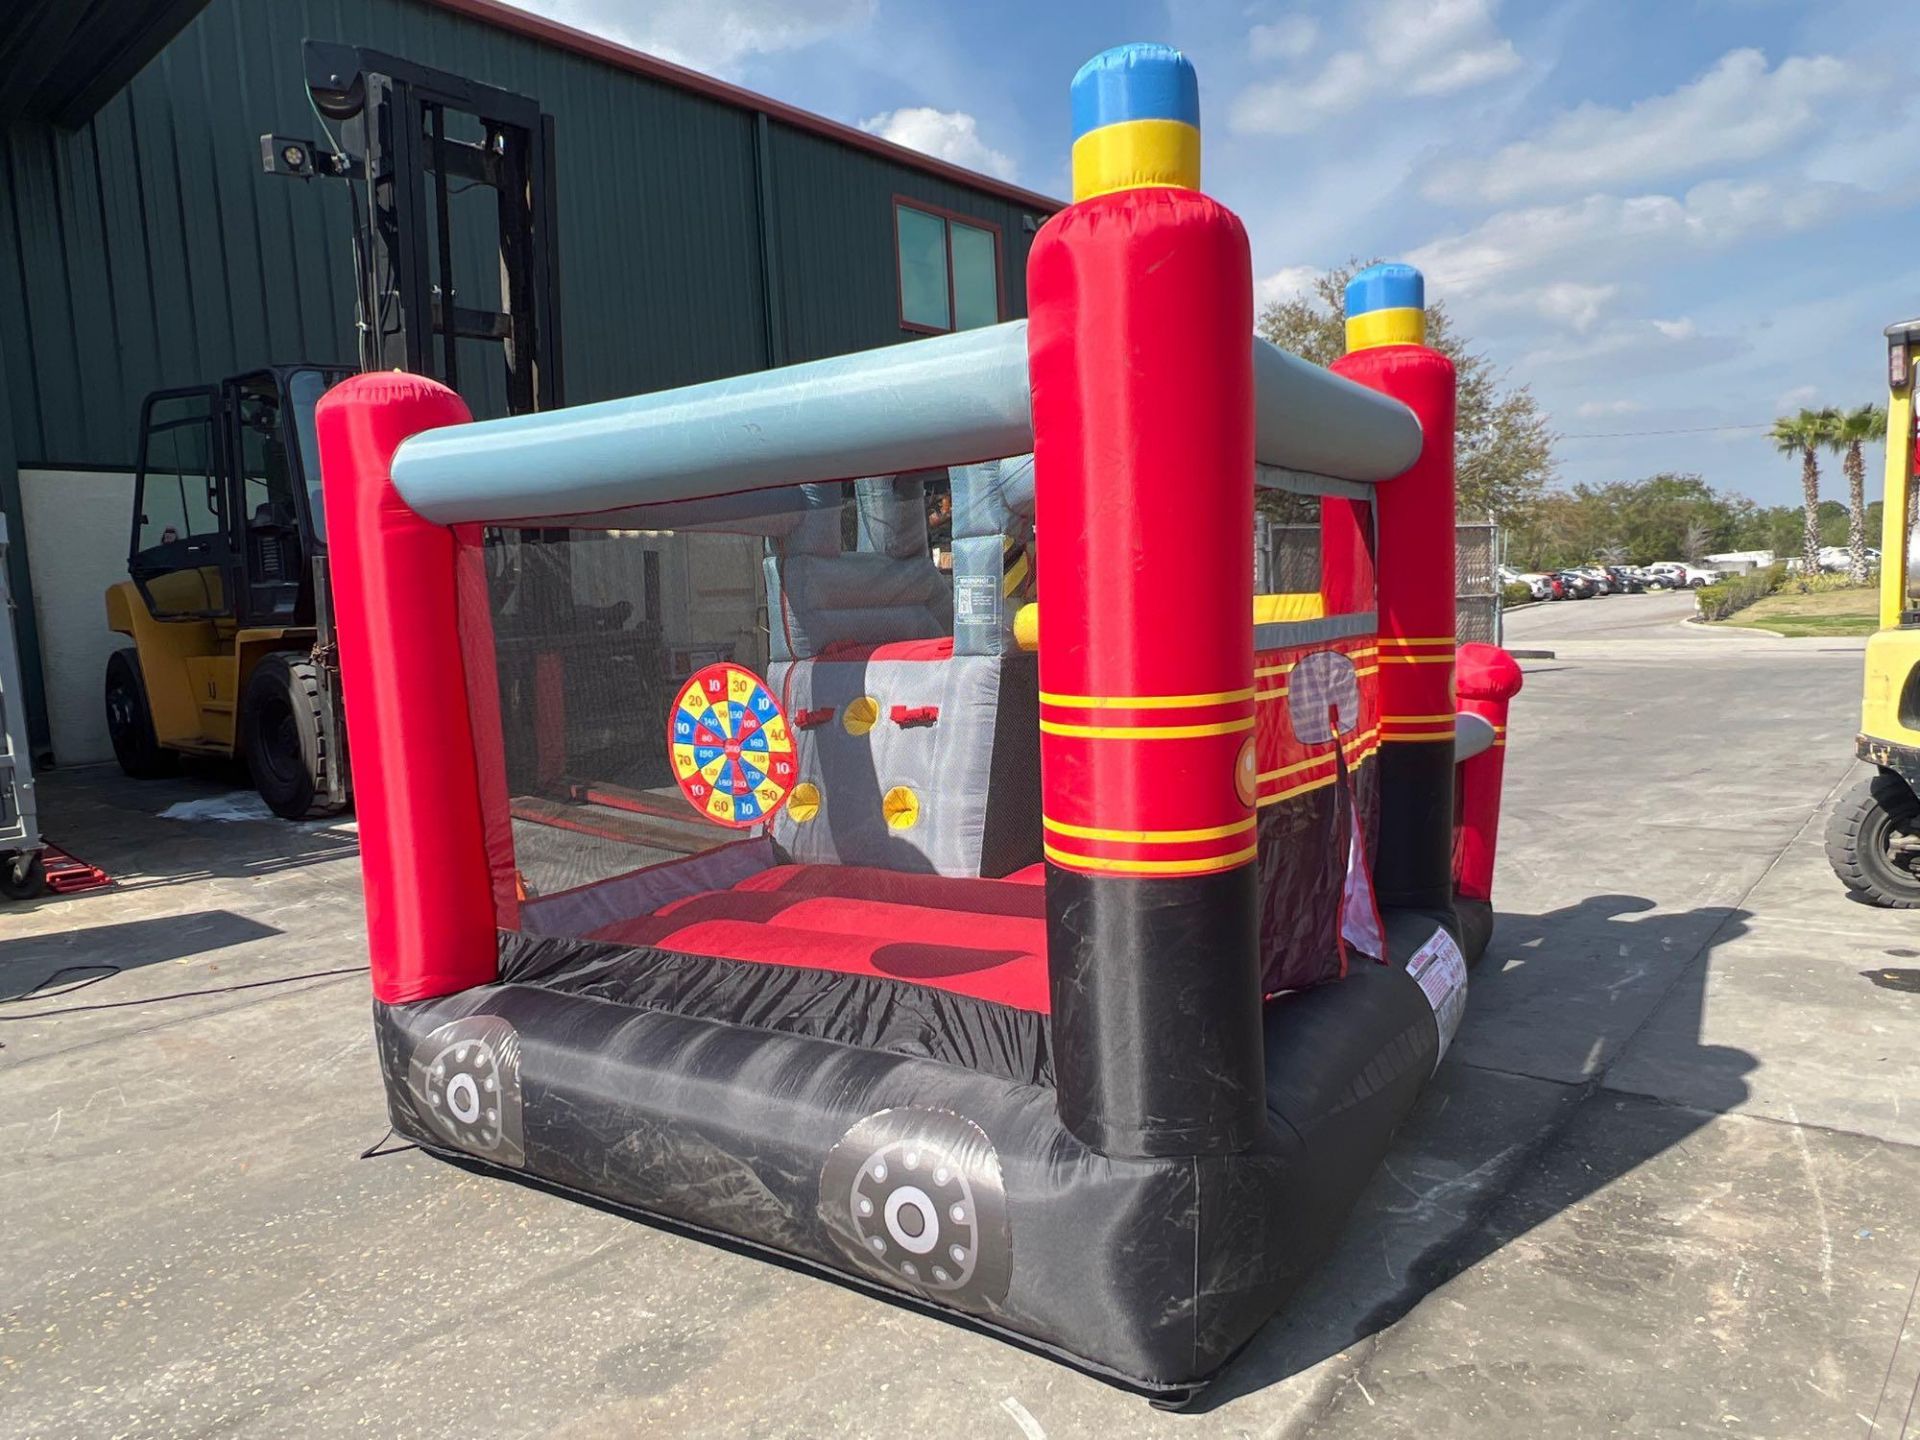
1489, 678
423, 844
1141, 309
1386, 328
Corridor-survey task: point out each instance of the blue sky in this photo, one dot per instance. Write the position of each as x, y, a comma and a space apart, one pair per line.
1664, 215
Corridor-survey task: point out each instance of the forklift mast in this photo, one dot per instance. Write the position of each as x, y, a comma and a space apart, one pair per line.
398, 152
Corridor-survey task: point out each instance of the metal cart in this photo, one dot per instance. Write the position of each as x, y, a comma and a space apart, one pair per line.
22, 872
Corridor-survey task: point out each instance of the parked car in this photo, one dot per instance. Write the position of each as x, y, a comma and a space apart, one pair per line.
1579, 586
1536, 583
1602, 582
1671, 573
1626, 581
1697, 576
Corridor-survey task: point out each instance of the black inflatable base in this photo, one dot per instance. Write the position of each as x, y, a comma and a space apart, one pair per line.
927, 1161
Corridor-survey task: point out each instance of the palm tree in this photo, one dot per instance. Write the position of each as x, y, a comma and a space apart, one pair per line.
1805, 435
1852, 429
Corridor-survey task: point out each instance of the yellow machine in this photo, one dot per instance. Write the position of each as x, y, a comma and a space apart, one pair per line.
226, 600
1873, 839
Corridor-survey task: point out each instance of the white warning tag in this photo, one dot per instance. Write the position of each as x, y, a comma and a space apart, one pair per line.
975, 598
1441, 971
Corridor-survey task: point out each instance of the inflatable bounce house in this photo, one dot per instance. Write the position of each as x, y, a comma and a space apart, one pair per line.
1060, 959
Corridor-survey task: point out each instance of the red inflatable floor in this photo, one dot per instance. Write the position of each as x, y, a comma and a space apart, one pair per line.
984, 938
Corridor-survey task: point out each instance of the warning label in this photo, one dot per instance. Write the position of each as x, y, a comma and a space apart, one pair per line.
975, 598
1442, 972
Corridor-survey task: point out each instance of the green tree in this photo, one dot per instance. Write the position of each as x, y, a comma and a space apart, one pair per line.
1804, 435
1852, 429
1660, 517
1503, 456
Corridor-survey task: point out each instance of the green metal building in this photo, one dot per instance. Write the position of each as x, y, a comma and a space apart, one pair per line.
703, 231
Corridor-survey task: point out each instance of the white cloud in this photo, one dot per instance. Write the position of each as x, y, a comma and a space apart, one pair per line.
1288, 38
1572, 303
1596, 409
1641, 348
1605, 232
1289, 282
1407, 47
951, 135
1799, 395
1737, 111
710, 35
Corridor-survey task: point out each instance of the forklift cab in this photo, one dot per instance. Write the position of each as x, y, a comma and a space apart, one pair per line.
1873, 835
227, 514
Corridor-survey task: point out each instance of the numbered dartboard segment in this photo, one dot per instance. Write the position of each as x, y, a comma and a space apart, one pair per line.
732, 750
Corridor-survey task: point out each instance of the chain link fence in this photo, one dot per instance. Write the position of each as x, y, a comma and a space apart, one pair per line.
1287, 558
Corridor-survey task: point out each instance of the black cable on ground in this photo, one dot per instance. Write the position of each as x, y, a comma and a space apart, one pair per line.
156, 999
40, 991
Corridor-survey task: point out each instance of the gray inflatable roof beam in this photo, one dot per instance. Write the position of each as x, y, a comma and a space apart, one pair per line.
1312, 420
949, 400
944, 400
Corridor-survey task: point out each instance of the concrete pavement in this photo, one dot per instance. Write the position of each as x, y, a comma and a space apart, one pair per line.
1664, 1184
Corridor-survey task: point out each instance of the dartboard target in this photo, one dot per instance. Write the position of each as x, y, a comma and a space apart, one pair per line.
732, 749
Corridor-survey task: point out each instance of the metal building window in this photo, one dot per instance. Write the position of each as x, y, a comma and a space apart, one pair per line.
949, 269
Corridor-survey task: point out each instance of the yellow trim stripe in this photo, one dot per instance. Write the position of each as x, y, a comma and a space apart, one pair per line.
1288, 605
1416, 659
1404, 640
1423, 736
1321, 783
1396, 325
1355, 746
1144, 702
1130, 154
1145, 732
1151, 867
1149, 837
1301, 789
1261, 672
1416, 719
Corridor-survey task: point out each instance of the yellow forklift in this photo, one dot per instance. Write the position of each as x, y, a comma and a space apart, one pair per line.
225, 593
226, 600
1873, 839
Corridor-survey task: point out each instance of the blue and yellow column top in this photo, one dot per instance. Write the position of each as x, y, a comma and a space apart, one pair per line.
1386, 305
1136, 121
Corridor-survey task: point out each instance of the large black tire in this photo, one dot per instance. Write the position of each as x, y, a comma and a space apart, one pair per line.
287, 736
1878, 811
130, 720
23, 874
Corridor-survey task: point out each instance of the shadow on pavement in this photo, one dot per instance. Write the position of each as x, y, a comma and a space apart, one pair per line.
1456, 1187
99, 816
31, 966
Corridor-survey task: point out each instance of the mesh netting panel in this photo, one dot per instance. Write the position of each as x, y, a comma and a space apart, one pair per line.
623, 683
1287, 556
592, 634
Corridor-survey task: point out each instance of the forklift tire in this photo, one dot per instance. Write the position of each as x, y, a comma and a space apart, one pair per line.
1874, 813
23, 874
130, 720
287, 736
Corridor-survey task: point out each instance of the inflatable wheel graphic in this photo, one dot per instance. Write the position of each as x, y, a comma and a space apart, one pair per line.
916, 1195
732, 750
465, 1082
